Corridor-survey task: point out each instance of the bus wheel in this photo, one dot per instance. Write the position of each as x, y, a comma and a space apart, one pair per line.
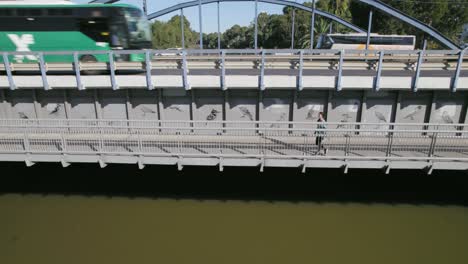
89, 59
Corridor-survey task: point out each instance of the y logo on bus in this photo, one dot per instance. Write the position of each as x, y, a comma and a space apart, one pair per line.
22, 43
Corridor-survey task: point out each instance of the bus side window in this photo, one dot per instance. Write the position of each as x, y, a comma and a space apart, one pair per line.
118, 36
96, 29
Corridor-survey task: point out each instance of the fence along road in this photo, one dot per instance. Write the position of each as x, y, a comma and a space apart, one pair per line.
338, 69
263, 144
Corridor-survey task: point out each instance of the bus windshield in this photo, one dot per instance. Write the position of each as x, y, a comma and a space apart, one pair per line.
138, 26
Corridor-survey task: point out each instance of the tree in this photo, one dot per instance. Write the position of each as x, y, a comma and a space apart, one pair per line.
210, 41
446, 16
169, 34
235, 38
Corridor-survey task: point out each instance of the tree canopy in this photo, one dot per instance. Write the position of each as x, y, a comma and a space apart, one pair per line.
274, 30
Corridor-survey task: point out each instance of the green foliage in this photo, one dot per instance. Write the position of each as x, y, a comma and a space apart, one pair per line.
168, 34
446, 16
274, 31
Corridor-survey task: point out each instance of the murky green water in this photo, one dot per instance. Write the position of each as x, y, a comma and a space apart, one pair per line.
78, 229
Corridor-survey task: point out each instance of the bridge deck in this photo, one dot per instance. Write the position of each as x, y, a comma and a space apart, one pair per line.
370, 146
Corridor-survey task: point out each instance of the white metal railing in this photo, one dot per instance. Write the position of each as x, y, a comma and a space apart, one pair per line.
298, 60
288, 140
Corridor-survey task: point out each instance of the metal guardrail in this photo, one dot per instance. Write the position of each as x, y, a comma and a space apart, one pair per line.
298, 60
274, 140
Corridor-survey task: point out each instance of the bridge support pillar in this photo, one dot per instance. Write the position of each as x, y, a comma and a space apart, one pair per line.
141, 163
28, 162
64, 161
101, 162
346, 168
304, 166
388, 168
221, 165
180, 166
430, 169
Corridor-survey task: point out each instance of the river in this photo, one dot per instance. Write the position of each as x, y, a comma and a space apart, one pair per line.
123, 215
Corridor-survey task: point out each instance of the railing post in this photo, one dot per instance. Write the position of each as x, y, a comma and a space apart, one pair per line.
101, 137
43, 69
27, 147
379, 72
148, 67
6, 62
223, 70
348, 141
340, 72
418, 71
76, 66
262, 71
140, 143
433, 142
454, 85
185, 71
390, 142
300, 85
64, 143
112, 71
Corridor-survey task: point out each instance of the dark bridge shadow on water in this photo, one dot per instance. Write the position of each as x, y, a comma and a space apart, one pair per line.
247, 184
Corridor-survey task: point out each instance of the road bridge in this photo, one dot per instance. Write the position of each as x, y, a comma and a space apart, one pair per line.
253, 107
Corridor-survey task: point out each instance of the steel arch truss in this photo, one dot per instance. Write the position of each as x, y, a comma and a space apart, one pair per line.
377, 4
276, 2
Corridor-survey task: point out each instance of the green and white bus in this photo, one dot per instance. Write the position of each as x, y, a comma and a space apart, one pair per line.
73, 27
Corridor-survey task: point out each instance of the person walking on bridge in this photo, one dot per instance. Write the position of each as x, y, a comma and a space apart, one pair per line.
320, 134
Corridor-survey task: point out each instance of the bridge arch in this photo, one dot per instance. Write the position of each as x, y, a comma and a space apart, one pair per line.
275, 2
377, 4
